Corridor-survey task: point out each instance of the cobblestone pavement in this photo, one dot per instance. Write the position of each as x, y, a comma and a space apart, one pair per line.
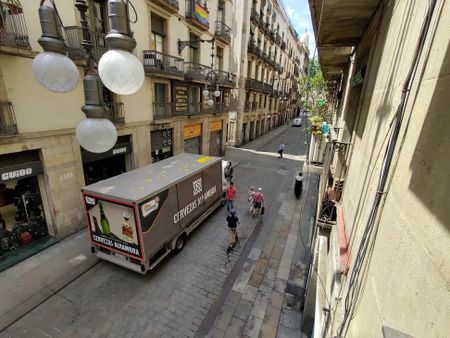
174, 299
265, 298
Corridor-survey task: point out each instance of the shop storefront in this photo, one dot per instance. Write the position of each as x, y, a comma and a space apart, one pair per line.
215, 139
101, 166
23, 226
162, 144
192, 135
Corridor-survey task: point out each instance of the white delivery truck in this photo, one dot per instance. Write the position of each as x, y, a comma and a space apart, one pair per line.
137, 218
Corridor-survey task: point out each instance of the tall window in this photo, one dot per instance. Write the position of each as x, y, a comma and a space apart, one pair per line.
98, 17
221, 11
219, 58
160, 93
257, 72
158, 33
249, 70
194, 49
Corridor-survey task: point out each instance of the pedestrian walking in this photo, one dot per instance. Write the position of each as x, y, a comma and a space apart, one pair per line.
258, 202
250, 194
230, 196
232, 222
298, 185
228, 171
280, 150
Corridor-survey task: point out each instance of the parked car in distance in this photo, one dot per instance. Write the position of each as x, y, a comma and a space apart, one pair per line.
297, 122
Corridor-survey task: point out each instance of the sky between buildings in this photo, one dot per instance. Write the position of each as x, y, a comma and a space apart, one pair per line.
298, 12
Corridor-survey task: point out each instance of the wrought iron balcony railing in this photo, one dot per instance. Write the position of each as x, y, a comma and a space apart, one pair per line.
253, 48
116, 112
170, 5
197, 14
225, 78
195, 71
256, 85
8, 125
160, 63
74, 37
13, 28
223, 32
278, 38
254, 16
221, 107
162, 110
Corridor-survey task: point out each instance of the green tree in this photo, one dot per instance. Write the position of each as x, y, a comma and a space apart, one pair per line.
315, 96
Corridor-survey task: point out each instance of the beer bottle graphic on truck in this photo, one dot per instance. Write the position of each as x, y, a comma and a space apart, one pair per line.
104, 221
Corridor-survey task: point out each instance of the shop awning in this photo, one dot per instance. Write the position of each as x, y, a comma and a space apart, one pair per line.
20, 165
123, 146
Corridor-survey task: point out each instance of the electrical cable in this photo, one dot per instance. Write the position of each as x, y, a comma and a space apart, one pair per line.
368, 239
135, 12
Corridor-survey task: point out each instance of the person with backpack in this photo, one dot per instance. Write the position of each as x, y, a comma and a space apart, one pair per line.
258, 202
232, 222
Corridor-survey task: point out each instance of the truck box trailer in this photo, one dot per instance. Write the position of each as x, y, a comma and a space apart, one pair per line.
137, 218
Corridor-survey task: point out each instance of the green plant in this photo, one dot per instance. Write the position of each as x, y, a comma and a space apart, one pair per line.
315, 122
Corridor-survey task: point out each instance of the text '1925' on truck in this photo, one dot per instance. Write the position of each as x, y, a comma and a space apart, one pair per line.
137, 218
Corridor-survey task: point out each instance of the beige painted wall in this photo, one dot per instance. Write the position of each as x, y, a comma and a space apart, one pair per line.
409, 277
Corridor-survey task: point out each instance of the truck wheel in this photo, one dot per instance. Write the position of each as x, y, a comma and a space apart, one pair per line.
179, 244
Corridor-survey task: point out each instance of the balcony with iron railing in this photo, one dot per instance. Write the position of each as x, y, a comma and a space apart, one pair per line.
194, 71
170, 5
197, 14
223, 32
225, 78
221, 107
163, 64
74, 37
13, 28
278, 38
256, 85
116, 112
253, 48
8, 125
254, 16
162, 110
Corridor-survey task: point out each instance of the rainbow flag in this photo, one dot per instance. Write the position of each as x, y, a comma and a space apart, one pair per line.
201, 14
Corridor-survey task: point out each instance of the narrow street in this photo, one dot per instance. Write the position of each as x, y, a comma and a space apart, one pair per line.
186, 294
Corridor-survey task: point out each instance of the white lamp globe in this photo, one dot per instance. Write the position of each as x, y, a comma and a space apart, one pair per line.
210, 102
217, 93
96, 135
205, 92
56, 72
121, 72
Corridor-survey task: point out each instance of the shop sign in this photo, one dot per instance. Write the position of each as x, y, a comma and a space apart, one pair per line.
119, 149
232, 116
22, 170
215, 125
181, 98
192, 130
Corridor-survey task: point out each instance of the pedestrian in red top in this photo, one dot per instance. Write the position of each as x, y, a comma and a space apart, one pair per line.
258, 200
230, 196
